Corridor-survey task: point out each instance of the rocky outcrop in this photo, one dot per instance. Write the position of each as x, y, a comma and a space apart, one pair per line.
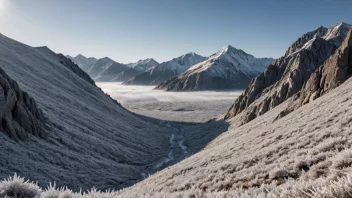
287, 75
331, 74
19, 115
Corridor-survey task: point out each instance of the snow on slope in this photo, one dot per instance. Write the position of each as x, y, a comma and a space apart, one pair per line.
166, 70
143, 65
91, 140
105, 69
230, 68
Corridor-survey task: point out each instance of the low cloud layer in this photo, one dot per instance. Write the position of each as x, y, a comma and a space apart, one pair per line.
130, 94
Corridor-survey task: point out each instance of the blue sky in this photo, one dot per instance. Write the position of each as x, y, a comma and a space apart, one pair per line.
129, 30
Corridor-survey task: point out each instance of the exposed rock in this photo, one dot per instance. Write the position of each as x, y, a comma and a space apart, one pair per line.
287, 75
19, 115
283, 78
331, 74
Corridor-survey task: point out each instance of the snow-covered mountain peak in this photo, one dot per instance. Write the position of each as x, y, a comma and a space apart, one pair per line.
149, 61
337, 33
229, 68
232, 50
106, 59
143, 64
344, 24
190, 55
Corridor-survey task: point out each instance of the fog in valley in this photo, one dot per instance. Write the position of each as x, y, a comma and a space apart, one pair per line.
174, 106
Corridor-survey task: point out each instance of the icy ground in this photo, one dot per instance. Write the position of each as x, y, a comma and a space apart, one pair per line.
195, 107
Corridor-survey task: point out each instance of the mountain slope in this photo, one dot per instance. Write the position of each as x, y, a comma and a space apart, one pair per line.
230, 68
286, 76
166, 70
143, 65
91, 140
106, 69
135, 69
83, 62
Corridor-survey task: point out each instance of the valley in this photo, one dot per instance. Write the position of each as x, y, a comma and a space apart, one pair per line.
187, 107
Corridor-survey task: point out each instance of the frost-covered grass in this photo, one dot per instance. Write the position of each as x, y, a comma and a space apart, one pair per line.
337, 186
91, 140
311, 144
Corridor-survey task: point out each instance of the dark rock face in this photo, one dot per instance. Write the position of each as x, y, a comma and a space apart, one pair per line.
19, 115
331, 74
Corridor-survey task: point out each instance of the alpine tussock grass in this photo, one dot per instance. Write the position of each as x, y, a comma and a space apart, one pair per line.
338, 185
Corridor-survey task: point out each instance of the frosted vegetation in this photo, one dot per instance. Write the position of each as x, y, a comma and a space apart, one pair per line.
91, 139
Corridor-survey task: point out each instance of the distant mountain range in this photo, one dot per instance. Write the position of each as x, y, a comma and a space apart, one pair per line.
106, 69
230, 68
166, 70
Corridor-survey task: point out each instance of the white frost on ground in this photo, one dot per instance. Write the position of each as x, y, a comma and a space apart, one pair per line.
91, 141
308, 146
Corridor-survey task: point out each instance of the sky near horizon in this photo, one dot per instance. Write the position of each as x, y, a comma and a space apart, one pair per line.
129, 30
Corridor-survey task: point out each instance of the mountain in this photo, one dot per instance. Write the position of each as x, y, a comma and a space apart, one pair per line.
286, 76
335, 71
230, 68
143, 65
135, 69
166, 70
83, 62
57, 125
106, 69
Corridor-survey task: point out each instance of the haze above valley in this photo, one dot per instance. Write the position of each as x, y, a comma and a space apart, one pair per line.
173, 106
